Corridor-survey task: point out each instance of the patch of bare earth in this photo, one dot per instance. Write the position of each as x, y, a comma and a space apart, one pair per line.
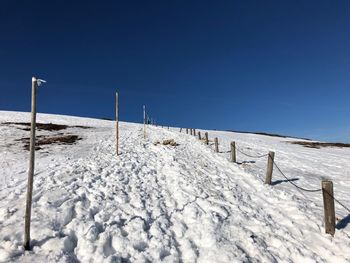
318, 145
41, 140
44, 126
46, 140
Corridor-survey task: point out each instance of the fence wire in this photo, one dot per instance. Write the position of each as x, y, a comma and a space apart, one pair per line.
311, 190
340, 203
251, 156
288, 179
291, 182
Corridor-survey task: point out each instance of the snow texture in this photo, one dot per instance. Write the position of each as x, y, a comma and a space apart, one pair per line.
162, 203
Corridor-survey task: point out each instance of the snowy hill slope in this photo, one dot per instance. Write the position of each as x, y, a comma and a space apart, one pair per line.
157, 203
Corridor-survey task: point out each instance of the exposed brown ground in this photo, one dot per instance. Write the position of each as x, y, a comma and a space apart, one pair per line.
44, 126
45, 140
41, 140
318, 145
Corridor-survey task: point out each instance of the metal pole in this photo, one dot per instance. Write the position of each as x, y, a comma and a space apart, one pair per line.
31, 168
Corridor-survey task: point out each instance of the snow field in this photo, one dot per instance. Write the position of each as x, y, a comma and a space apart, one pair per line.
156, 203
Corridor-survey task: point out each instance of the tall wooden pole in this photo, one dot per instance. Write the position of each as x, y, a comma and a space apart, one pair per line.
117, 121
31, 168
144, 121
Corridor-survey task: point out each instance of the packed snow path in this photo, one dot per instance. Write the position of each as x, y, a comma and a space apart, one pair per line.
153, 203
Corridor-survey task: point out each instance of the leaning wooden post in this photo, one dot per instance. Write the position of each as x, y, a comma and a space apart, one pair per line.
328, 203
233, 152
144, 121
117, 122
269, 170
206, 138
180, 129
186, 130
199, 136
31, 168
194, 132
216, 144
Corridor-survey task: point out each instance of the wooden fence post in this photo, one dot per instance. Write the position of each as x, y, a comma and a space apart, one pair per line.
194, 132
206, 138
328, 203
199, 136
270, 160
191, 131
233, 152
31, 168
186, 130
180, 129
216, 144
117, 122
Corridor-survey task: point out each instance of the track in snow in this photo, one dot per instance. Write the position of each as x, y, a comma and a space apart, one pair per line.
157, 203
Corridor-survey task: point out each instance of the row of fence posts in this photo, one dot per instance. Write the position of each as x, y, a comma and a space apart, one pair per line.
327, 185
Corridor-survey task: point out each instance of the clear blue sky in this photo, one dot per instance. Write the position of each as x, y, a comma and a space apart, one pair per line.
273, 66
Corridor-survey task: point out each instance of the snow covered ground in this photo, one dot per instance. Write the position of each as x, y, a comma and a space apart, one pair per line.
157, 203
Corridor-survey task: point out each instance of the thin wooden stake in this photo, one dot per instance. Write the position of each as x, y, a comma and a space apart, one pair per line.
186, 130
206, 138
180, 129
191, 131
117, 121
144, 121
269, 170
199, 136
328, 203
216, 144
233, 152
194, 132
31, 168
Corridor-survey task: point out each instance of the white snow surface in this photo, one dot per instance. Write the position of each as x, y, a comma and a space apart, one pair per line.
157, 203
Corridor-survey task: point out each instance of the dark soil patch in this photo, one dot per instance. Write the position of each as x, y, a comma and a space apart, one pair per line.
45, 126
45, 140
270, 134
318, 145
